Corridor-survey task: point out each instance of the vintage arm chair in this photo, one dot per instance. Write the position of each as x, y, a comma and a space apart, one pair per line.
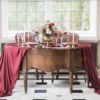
76, 40
26, 40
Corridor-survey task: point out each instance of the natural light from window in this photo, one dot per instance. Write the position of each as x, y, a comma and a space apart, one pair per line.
19, 12
68, 13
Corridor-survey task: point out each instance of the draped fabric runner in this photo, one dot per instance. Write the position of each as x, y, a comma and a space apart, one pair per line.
10, 66
90, 67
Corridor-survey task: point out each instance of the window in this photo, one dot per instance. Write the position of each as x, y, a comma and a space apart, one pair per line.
72, 12
82, 13
20, 10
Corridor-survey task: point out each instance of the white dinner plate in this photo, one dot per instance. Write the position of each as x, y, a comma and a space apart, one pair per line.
66, 43
31, 43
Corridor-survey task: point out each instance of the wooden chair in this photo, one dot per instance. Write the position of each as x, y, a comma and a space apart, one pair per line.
76, 40
26, 40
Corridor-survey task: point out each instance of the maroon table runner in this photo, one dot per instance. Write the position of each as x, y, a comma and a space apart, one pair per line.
10, 66
90, 67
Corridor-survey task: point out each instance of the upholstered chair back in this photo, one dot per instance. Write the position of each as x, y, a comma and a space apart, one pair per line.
76, 38
26, 38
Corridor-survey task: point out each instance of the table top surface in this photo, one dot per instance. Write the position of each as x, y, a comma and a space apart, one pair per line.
56, 48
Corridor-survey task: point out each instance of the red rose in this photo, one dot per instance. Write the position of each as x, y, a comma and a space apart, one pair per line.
36, 32
65, 33
52, 24
56, 34
45, 30
49, 25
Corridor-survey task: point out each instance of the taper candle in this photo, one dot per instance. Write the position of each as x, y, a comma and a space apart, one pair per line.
28, 27
68, 32
24, 33
67, 22
73, 32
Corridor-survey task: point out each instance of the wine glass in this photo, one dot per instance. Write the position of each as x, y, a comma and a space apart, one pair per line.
40, 38
65, 35
22, 37
61, 41
18, 37
56, 37
33, 34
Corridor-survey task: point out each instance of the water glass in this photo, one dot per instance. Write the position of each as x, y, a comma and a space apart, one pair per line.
22, 37
18, 37
56, 40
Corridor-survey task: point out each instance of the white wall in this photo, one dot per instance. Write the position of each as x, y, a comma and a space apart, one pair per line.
98, 34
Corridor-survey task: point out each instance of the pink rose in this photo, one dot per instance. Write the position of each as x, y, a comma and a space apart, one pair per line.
58, 22
71, 42
47, 21
52, 32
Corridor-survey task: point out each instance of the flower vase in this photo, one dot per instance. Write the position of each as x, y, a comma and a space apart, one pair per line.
48, 39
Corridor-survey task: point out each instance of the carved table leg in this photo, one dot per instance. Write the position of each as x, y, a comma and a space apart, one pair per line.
88, 83
57, 74
37, 74
19, 76
52, 77
25, 82
85, 77
76, 75
42, 76
71, 81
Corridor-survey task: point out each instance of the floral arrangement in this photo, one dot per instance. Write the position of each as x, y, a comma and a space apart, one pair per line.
48, 29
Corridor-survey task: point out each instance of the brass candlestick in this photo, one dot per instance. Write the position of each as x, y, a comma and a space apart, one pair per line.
28, 43
68, 46
73, 45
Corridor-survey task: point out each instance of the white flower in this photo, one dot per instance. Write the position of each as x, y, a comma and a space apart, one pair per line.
53, 27
47, 32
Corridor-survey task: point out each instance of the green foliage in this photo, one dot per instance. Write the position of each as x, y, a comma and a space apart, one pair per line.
40, 46
63, 36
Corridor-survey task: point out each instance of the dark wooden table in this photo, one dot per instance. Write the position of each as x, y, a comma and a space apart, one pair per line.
49, 60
